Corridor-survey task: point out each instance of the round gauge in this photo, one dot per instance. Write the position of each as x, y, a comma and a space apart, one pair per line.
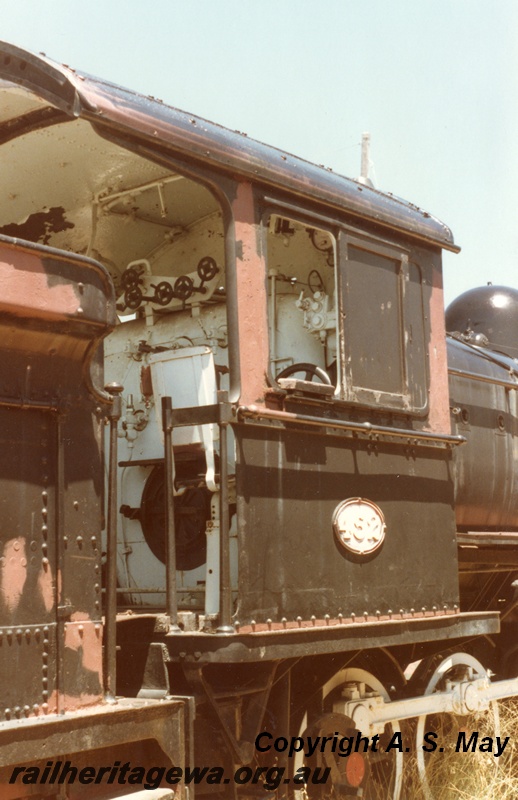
321, 240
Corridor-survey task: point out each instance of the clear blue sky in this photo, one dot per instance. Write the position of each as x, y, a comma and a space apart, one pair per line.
435, 82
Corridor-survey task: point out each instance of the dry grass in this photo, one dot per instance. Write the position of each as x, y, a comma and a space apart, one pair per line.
471, 775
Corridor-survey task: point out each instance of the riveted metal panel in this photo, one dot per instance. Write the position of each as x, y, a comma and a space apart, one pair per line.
28, 669
291, 564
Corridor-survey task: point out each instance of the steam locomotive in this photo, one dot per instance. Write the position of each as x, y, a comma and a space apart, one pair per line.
251, 491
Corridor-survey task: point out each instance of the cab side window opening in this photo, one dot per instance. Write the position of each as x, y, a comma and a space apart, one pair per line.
302, 315
346, 311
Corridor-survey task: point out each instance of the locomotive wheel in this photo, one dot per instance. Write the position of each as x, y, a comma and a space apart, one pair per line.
369, 775
446, 773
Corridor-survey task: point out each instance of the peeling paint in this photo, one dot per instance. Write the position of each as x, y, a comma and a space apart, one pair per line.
40, 226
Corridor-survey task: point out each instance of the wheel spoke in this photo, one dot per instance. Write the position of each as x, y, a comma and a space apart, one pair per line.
370, 774
446, 773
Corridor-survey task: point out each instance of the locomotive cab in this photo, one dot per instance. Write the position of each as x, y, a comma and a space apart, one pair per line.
264, 313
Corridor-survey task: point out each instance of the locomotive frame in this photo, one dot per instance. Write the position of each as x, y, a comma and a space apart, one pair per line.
242, 273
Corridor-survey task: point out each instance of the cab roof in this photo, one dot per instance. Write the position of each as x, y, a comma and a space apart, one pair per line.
59, 92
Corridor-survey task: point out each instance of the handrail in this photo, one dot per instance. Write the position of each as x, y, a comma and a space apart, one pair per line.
414, 437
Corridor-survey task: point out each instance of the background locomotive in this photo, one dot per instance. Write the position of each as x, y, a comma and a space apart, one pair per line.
284, 539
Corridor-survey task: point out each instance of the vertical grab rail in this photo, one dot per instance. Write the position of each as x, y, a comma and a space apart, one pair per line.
110, 626
220, 414
170, 564
225, 588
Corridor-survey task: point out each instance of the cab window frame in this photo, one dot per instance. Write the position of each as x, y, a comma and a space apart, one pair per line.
409, 328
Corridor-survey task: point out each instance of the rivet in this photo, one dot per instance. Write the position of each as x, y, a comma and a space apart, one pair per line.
326, 617
237, 625
313, 619
269, 623
45, 496
76, 504
28, 633
45, 696
26, 710
340, 617
365, 615
45, 561
81, 629
97, 587
79, 540
353, 616
36, 708
45, 681
44, 513
284, 622
423, 609
412, 611
378, 614
252, 623
7, 713
299, 621
45, 707
17, 711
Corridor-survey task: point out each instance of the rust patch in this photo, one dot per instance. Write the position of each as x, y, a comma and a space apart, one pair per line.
24, 285
69, 702
46, 587
251, 298
40, 226
439, 415
82, 636
13, 572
